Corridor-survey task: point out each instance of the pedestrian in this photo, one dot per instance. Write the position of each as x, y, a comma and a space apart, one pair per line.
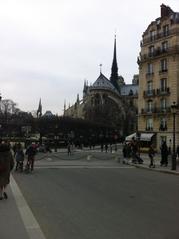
124, 151
30, 152
19, 157
106, 147
151, 154
69, 148
115, 147
6, 165
164, 154
110, 146
135, 152
102, 147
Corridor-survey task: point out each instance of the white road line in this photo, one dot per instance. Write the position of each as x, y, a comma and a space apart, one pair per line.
33, 229
83, 166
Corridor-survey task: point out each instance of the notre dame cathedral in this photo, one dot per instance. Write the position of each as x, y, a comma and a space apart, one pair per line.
108, 101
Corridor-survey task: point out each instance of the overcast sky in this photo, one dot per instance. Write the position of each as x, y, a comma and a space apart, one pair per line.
48, 47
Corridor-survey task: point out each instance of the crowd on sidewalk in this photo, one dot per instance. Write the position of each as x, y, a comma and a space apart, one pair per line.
14, 157
131, 150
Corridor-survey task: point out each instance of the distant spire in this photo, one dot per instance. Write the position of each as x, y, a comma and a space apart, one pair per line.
64, 105
77, 100
39, 111
114, 68
100, 68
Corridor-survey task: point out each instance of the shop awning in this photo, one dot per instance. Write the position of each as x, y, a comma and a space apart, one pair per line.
146, 136
129, 137
143, 137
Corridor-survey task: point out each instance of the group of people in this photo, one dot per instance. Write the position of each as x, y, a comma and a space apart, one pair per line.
132, 150
10, 156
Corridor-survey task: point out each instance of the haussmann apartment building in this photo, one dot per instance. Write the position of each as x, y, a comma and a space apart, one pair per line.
159, 79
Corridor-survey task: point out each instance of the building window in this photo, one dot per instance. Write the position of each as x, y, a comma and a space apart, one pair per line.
163, 124
164, 46
149, 68
163, 104
163, 84
151, 51
149, 87
149, 106
165, 30
163, 65
152, 35
149, 124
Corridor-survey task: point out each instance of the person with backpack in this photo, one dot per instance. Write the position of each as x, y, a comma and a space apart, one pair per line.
6, 165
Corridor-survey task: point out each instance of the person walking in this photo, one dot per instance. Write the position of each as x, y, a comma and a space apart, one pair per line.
124, 151
164, 154
69, 148
151, 154
30, 152
6, 165
19, 156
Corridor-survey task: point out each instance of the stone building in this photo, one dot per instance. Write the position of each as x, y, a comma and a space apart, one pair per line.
159, 77
108, 101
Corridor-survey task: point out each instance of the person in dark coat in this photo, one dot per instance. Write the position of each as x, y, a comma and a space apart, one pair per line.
151, 154
31, 152
6, 165
164, 154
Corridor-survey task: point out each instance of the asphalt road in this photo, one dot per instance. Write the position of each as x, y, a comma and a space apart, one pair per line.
101, 202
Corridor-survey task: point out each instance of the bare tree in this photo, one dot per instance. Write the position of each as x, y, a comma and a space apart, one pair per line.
8, 106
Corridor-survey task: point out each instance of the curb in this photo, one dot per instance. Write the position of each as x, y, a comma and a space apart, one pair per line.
155, 169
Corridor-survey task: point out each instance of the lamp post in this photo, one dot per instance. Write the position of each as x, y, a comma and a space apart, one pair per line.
173, 110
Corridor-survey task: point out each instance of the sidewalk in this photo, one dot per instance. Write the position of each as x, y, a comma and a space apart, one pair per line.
17, 220
157, 168
11, 224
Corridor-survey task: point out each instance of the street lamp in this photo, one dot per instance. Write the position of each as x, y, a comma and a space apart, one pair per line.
174, 110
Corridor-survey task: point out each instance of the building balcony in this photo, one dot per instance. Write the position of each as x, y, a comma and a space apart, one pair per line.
157, 53
155, 110
159, 36
163, 71
149, 93
149, 128
149, 74
163, 91
163, 127
148, 111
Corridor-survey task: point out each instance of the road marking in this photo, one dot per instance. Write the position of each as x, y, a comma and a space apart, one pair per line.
33, 229
82, 166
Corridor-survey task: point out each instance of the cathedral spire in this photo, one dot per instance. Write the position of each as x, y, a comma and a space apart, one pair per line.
39, 110
114, 68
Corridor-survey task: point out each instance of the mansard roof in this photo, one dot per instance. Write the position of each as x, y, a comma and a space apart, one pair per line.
129, 89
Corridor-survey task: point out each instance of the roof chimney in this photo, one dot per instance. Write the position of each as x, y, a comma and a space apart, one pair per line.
165, 10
